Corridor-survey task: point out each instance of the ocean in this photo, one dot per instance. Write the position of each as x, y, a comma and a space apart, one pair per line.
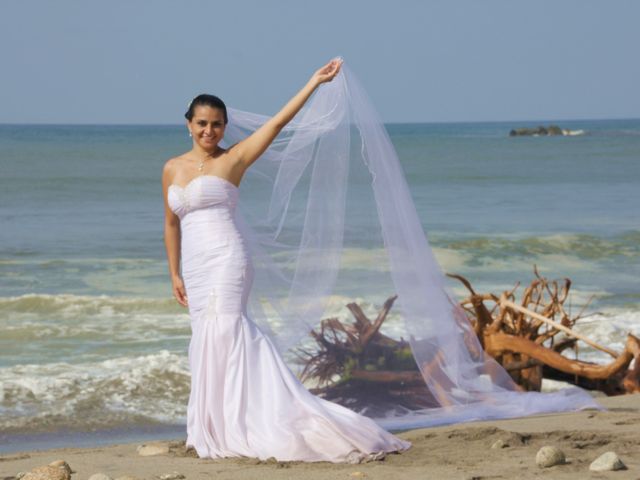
93, 348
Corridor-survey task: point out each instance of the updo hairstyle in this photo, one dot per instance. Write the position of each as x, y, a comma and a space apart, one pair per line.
209, 101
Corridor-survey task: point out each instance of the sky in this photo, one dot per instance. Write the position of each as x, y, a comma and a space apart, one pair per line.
141, 62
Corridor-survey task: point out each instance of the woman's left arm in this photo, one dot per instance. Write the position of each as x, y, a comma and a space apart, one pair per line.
249, 149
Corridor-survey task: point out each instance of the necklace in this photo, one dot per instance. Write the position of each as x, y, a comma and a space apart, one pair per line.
201, 167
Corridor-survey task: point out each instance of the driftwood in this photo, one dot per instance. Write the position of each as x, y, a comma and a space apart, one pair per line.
525, 339
353, 361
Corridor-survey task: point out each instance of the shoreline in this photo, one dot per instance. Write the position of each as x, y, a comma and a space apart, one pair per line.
457, 451
95, 437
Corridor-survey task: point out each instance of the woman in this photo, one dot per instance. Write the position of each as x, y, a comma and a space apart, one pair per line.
244, 399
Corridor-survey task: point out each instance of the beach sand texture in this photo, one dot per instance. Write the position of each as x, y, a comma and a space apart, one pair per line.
460, 451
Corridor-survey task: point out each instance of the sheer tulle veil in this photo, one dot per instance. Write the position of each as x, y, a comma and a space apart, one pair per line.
332, 221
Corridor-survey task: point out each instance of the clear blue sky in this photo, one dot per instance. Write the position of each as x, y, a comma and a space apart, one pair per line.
132, 61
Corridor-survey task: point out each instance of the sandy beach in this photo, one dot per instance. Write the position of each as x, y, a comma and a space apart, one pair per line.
460, 451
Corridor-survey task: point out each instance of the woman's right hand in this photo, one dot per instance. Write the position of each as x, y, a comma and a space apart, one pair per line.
179, 291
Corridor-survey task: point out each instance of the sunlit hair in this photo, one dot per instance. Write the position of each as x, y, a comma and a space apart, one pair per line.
209, 101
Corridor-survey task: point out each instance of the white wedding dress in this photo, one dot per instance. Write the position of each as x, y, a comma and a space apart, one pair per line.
245, 401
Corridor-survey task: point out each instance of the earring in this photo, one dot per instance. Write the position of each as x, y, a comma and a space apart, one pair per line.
190, 133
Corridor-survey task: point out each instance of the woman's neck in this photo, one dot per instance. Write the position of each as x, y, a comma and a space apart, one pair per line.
200, 152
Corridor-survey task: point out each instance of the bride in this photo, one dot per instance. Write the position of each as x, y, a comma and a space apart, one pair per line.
331, 218
244, 400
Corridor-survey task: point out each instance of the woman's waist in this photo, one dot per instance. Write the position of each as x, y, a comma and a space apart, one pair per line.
214, 250
206, 232
207, 218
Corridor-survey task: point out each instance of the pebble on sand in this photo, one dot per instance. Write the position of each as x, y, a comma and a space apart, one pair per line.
171, 476
100, 476
57, 470
548, 456
149, 449
498, 444
606, 462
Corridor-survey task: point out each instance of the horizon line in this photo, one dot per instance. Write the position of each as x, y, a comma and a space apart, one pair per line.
140, 124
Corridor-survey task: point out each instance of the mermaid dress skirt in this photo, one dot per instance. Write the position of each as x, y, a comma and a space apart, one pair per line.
244, 400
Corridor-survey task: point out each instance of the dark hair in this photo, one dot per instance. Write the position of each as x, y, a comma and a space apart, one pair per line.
209, 101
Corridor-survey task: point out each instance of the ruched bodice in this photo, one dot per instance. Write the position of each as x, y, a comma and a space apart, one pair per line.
195, 196
244, 400
211, 244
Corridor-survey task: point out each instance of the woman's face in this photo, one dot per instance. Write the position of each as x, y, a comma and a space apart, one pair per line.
207, 127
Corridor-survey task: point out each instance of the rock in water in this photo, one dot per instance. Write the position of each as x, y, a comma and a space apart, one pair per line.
549, 456
551, 130
606, 462
149, 449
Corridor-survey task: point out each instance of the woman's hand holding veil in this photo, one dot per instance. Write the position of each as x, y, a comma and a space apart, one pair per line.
327, 72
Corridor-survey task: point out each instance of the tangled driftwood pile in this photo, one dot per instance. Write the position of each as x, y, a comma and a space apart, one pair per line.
527, 338
353, 360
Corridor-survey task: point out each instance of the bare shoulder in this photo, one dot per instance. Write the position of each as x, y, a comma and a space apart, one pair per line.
232, 149
170, 167
229, 156
233, 153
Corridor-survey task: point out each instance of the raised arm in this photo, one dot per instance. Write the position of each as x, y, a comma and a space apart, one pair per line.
249, 149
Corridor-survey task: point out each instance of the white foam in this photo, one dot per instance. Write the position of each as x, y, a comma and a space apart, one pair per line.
609, 329
154, 385
573, 133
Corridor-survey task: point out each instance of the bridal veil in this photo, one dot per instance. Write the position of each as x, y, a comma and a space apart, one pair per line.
332, 220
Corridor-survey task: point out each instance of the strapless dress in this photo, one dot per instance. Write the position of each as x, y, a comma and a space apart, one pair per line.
244, 399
